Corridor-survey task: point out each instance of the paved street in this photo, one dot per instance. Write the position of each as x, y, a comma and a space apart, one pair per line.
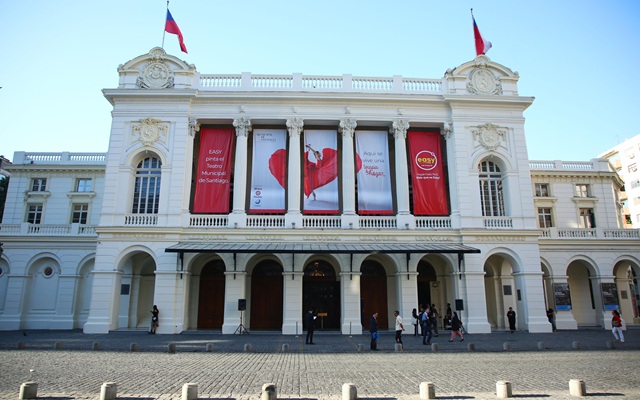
318, 372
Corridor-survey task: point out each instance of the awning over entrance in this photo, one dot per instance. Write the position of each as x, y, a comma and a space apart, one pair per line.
313, 248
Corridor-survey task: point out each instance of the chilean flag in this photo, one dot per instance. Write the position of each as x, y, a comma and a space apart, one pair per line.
171, 27
482, 46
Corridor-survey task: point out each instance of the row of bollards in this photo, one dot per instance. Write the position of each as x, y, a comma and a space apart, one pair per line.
109, 390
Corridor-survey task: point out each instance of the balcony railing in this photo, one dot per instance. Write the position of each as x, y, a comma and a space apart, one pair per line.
27, 229
590, 233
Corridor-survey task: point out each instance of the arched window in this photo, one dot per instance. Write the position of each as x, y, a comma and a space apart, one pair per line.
146, 194
491, 190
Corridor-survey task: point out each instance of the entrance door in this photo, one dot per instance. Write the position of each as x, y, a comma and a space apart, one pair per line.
211, 297
321, 293
373, 294
426, 275
266, 297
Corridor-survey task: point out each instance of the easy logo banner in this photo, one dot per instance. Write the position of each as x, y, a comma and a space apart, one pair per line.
214, 171
269, 172
427, 174
374, 177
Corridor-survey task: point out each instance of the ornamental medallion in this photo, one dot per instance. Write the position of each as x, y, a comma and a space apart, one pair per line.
150, 130
490, 136
482, 81
156, 75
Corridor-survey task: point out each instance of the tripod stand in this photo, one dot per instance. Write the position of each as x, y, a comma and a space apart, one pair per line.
241, 329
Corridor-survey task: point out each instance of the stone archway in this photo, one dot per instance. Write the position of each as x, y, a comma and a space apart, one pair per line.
321, 292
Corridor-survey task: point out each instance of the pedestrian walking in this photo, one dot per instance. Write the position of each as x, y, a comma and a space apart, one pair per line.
154, 319
399, 327
552, 318
414, 321
616, 323
373, 329
434, 320
310, 320
456, 324
426, 328
511, 316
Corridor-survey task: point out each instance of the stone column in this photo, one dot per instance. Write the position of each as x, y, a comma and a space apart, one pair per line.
235, 288
471, 289
293, 218
533, 306
564, 318
239, 215
404, 217
350, 294
349, 216
603, 317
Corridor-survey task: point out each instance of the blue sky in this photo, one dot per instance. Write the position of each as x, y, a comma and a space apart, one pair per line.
577, 58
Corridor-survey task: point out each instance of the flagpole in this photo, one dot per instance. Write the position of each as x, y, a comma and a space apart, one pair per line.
164, 28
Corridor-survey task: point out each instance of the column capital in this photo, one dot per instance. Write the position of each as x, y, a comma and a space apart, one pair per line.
447, 130
243, 126
399, 128
348, 127
194, 126
295, 125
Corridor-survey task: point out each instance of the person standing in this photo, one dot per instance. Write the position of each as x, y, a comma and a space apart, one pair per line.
447, 316
399, 327
434, 319
425, 326
511, 316
414, 321
154, 319
616, 323
310, 320
373, 329
456, 324
552, 318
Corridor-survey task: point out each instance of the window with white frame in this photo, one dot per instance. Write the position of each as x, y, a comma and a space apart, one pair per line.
629, 153
83, 185
491, 196
146, 192
633, 167
587, 218
34, 213
38, 184
542, 190
544, 217
80, 214
583, 190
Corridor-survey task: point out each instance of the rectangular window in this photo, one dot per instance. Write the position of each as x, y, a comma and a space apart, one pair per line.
582, 190
636, 201
38, 184
635, 184
633, 167
587, 218
34, 213
544, 218
542, 190
83, 185
80, 214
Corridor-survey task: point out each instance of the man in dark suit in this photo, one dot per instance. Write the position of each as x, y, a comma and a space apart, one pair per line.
373, 328
310, 320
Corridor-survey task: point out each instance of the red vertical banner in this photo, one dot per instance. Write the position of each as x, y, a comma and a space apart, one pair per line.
213, 175
427, 174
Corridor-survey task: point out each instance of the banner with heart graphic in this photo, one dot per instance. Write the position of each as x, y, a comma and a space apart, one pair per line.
320, 162
374, 178
213, 173
269, 172
427, 174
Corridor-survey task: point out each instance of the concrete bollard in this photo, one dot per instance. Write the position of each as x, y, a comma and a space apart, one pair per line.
171, 348
269, 392
503, 389
22, 345
96, 346
209, 347
610, 344
285, 347
134, 347
28, 390
58, 346
435, 347
108, 391
190, 391
427, 391
577, 388
398, 347
349, 391
506, 346
248, 347
471, 347
540, 345
575, 345
360, 348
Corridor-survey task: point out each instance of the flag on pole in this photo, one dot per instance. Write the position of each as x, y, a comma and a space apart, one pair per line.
171, 27
482, 46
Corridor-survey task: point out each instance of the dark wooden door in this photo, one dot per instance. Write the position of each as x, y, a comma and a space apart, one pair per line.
373, 294
211, 297
266, 297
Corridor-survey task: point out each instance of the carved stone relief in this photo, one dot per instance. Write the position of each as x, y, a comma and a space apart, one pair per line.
155, 75
150, 131
482, 81
489, 136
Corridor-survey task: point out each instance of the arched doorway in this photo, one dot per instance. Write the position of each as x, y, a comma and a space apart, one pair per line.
266, 296
321, 292
583, 306
211, 296
373, 294
426, 275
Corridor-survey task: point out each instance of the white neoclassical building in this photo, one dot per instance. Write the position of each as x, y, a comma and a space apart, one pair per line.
234, 201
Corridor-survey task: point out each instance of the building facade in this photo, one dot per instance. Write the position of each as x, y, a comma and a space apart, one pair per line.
235, 201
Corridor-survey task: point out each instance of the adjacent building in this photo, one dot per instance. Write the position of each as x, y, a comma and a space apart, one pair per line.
244, 200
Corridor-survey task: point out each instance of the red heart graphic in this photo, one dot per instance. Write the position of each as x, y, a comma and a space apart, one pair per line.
278, 166
321, 172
